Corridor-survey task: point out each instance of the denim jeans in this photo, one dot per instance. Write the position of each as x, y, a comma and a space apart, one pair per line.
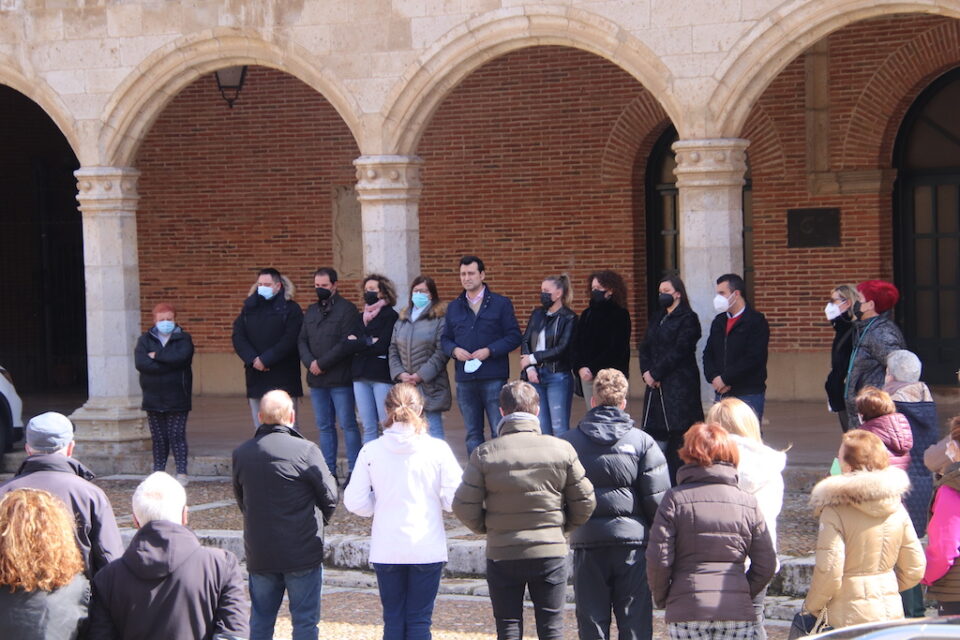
327, 403
556, 400
370, 397
303, 594
407, 593
475, 398
546, 579
755, 401
434, 423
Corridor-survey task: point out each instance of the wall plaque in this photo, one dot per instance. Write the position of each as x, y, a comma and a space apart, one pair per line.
813, 228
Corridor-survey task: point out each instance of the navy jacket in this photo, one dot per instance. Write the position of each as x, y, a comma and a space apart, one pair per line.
741, 357
494, 327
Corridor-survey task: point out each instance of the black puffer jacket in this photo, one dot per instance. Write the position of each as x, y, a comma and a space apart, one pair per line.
557, 355
167, 378
286, 494
602, 338
323, 338
268, 329
669, 353
740, 358
370, 359
629, 476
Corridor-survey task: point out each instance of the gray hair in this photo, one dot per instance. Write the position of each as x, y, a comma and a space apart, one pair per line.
276, 407
904, 366
159, 497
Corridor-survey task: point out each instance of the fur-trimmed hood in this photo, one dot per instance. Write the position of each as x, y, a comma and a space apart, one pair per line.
288, 288
435, 311
876, 493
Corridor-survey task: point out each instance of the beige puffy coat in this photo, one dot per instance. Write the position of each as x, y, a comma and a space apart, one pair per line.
867, 550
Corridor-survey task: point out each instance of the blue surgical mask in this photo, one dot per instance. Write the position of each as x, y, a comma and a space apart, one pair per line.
166, 326
265, 292
420, 300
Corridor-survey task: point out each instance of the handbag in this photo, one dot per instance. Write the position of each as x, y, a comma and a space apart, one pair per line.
806, 624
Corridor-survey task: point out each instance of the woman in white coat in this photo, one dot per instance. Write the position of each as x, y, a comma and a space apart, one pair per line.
760, 471
405, 480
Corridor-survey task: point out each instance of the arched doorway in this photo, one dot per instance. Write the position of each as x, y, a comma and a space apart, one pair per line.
927, 158
43, 326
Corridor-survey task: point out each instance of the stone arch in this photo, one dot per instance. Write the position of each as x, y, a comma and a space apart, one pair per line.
154, 82
766, 148
45, 97
883, 103
631, 130
780, 36
463, 49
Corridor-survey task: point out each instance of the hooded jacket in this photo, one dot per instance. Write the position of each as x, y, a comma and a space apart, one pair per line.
629, 477
876, 339
169, 587
867, 550
97, 531
416, 348
45, 615
894, 430
943, 573
167, 378
740, 357
268, 329
405, 480
704, 532
286, 494
323, 338
524, 490
761, 475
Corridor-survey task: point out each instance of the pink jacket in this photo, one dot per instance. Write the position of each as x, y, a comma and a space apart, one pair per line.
894, 430
944, 533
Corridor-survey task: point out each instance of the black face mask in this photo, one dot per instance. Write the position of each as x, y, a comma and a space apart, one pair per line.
546, 300
371, 297
596, 296
857, 311
665, 300
323, 294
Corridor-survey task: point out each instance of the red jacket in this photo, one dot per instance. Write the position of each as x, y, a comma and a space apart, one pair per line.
894, 430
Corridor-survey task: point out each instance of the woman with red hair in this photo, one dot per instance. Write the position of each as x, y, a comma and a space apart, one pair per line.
704, 532
877, 336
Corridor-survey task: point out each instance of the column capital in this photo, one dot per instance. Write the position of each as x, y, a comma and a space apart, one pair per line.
107, 189
388, 178
712, 162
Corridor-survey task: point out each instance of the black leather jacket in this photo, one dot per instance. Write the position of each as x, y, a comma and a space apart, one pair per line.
556, 357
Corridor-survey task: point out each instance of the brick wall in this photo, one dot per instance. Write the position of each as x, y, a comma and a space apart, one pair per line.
224, 192
513, 173
793, 284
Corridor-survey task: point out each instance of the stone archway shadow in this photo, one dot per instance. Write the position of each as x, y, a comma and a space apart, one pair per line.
466, 47
778, 38
151, 85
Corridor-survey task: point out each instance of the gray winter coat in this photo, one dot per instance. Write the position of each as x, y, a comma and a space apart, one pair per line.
876, 339
45, 615
415, 348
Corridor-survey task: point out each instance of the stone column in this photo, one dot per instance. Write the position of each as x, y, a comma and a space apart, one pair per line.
388, 188
710, 184
111, 421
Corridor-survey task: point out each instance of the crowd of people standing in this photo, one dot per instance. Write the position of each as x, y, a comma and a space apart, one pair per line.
669, 509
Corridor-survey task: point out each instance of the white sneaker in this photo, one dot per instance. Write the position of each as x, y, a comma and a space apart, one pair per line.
183, 479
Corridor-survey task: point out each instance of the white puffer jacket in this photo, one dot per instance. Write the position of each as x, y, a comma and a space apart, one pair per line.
405, 480
761, 474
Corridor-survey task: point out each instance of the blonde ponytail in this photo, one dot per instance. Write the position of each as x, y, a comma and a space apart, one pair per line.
405, 404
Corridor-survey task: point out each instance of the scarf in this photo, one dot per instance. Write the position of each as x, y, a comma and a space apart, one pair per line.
370, 311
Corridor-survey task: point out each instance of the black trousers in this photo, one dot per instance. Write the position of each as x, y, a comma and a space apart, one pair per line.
547, 580
613, 579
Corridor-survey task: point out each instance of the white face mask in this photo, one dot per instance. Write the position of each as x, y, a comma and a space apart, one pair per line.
833, 311
721, 303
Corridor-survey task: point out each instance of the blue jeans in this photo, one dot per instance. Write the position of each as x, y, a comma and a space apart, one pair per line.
330, 401
434, 423
303, 593
407, 593
370, 398
754, 400
556, 400
475, 398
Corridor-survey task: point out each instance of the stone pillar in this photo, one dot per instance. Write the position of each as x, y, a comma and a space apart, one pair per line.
388, 188
710, 184
111, 421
